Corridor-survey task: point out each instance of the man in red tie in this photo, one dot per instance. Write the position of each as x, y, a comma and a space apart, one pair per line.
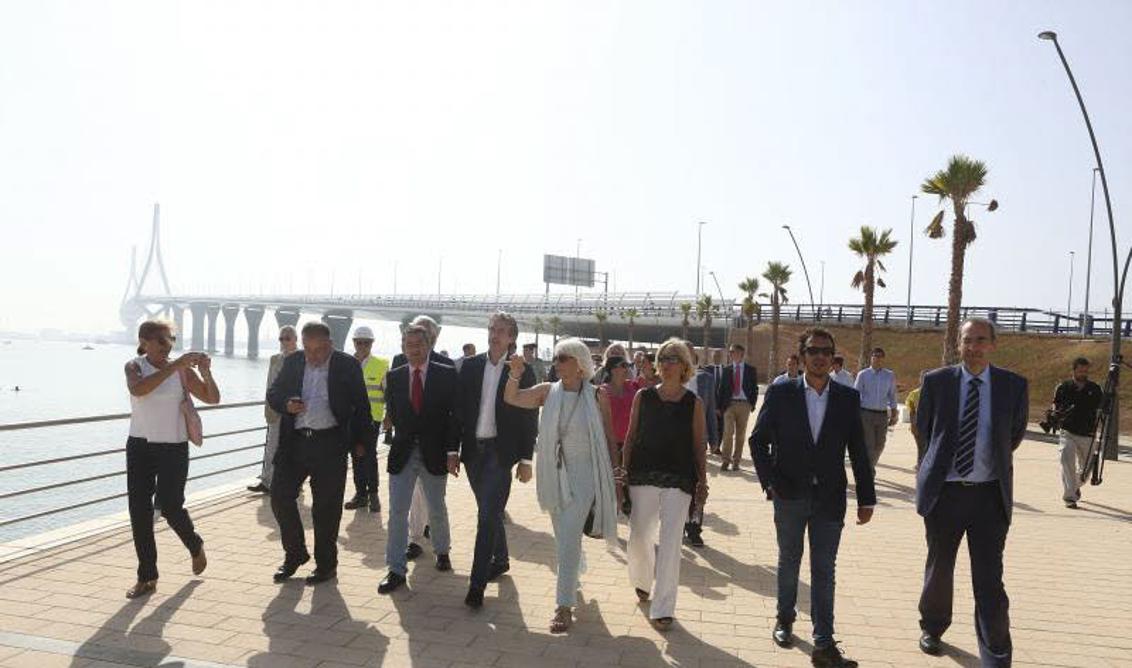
421, 401
735, 400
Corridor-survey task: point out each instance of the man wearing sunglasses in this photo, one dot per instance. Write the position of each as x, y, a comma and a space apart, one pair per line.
801, 435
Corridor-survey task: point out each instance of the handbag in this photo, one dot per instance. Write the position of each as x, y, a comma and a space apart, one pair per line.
192, 417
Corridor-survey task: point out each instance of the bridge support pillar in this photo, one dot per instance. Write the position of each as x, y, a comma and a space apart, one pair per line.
253, 315
287, 315
339, 321
231, 312
213, 310
198, 309
179, 322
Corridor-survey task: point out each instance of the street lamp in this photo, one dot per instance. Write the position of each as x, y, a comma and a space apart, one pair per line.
699, 245
1069, 303
809, 287
1109, 437
911, 246
1089, 255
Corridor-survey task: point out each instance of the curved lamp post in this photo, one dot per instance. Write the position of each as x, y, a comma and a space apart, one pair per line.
801, 259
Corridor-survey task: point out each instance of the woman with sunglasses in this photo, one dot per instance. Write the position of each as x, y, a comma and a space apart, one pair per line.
574, 459
621, 390
664, 463
157, 451
646, 374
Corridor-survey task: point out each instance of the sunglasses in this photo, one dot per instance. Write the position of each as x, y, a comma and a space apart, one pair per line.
669, 359
286, 339
562, 358
166, 339
819, 350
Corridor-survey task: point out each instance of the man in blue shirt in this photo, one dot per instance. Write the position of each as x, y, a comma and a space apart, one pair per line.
877, 386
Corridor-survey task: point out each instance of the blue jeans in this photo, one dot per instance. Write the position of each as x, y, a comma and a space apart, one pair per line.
791, 519
401, 497
491, 484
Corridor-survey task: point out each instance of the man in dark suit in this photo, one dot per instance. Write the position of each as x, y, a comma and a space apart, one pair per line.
799, 443
737, 392
494, 437
421, 398
971, 416
322, 397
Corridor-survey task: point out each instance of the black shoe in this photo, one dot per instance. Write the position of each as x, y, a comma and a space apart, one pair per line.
391, 582
426, 531
260, 488
695, 534
497, 570
359, 501
930, 644
723, 466
474, 599
413, 551
318, 576
288, 569
783, 634
1071, 504
374, 503
830, 657
443, 563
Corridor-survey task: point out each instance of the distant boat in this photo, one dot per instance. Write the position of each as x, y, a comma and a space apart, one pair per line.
88, 347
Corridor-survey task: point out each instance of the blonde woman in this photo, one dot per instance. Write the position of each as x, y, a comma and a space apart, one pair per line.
664, 468
574, 459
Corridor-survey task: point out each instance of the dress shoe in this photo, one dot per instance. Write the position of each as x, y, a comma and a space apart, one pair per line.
413, 551
443, 563
474, 599
783, 634
374, 503
930, 644
259, 487
830, 657
497, 570
200, 562
391, 582
1071, 504
141, 588
288, 569
318, 576
694, 533
717, 451
723, 466
359, 501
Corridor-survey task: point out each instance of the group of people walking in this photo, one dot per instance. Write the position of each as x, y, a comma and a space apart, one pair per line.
634, 440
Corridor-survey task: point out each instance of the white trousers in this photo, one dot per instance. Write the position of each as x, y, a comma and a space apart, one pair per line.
1073, 450
654, 565
418, 515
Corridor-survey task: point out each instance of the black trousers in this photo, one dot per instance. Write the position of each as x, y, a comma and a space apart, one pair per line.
159, 468
977, 512
491, 485
321, 458
365, 467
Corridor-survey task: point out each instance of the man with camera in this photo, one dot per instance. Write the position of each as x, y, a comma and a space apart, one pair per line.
1074, 411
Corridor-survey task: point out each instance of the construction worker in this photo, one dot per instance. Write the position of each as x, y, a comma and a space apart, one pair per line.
374, 369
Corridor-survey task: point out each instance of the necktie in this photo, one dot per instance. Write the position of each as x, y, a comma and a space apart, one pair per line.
416, 392
968, 429
735, 381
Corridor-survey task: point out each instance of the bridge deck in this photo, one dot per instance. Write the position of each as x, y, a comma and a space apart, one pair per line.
1068, 572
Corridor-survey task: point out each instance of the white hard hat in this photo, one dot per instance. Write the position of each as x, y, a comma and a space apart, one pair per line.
364, 333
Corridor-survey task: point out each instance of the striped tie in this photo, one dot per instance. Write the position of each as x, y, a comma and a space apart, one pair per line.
968, 428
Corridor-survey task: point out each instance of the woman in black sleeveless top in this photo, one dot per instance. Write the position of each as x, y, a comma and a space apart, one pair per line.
664, 468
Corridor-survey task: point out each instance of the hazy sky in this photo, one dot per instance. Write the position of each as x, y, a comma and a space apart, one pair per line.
292, 145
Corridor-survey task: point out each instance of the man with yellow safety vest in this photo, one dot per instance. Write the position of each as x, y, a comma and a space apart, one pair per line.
365, 463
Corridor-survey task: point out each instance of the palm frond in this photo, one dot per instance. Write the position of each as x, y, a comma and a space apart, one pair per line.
858, 280
880, 282
934, 230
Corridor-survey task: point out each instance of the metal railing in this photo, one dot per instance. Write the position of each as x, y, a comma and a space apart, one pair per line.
43, 424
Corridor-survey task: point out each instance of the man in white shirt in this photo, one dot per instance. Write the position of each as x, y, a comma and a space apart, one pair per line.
839, 374
791, 372
877, 386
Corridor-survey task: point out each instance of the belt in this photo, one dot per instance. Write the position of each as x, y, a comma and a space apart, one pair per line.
315, 433
875, 410
967, 483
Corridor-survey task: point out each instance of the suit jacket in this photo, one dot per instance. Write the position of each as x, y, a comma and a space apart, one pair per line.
516, 428
436, 431
347, 393
273, 369
724, 390
937, 422
787, 458
400, 360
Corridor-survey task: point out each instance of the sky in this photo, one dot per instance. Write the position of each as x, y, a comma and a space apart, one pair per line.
318, 146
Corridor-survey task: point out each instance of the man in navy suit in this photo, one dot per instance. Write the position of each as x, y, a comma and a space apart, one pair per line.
421, 402
972, 417
494, 437
737, 390
799, 443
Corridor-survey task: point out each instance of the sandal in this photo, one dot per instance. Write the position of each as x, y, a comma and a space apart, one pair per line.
141, 588
642, 595
563, 618
663, 623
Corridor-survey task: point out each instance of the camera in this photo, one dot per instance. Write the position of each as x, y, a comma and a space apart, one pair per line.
1053, 419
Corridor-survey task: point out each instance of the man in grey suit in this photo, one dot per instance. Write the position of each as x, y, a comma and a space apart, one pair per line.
972, 416
288, 343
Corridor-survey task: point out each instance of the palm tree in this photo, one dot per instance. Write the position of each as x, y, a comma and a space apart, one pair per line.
601, 316
555, 323
750, 286
630, 314
778, 275
704, 308
538, 325
958, 183
686, 311
870, 247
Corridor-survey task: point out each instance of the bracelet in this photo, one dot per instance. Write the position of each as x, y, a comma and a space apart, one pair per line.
514, 378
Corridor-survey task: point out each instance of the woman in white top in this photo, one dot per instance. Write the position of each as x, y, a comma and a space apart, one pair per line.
574, 457
157, 452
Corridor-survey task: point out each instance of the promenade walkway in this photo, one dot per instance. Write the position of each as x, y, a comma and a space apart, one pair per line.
1068, 573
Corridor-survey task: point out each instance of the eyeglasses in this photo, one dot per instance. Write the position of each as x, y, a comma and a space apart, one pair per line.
562, 358
669, 359
819, 350
166, 339
286, 339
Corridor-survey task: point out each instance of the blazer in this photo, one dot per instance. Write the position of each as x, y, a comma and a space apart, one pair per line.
273, 369
347, 393
516, 428
788, 460
937, 422
436, 431
723, 389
